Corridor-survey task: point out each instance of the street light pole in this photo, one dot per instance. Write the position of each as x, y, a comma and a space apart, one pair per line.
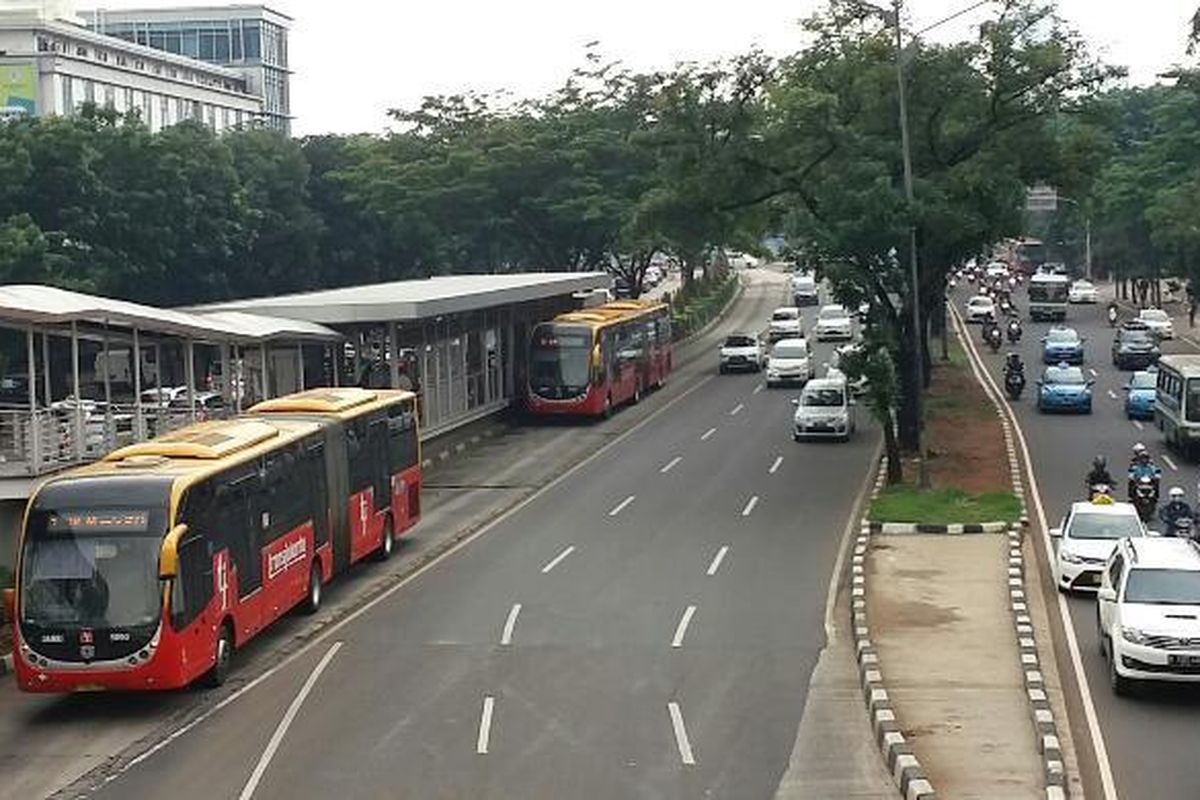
918, 360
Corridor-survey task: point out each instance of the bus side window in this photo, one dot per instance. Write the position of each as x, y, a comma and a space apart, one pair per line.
284, 499
377, 459
402, 437
240, 526
317, 490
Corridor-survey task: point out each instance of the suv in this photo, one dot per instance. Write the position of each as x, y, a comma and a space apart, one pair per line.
1134, 348
741, 351
824, 409
1087, 538
804, 289
1148, 614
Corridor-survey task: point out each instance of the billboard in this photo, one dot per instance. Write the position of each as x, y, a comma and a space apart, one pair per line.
18, 90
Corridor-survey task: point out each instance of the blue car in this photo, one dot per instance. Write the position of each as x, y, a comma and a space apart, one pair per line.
1064, 388
1139, 395
1062, 345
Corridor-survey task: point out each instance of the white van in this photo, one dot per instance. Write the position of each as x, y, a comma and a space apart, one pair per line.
824, 410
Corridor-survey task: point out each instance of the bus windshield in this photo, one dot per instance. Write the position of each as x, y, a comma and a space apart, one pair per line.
559, 359
1047, 292
92, 567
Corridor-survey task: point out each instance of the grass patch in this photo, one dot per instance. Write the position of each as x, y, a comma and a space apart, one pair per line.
906, 503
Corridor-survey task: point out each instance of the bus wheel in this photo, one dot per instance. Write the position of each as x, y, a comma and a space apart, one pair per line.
312, 600
224, 657
389, 541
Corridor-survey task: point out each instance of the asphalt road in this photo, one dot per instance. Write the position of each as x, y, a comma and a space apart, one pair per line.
643, 627
1152, 739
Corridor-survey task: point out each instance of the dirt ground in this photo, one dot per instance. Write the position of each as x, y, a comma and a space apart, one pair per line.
964, 440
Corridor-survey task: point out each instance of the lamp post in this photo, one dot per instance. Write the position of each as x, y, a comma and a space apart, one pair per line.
1087, 235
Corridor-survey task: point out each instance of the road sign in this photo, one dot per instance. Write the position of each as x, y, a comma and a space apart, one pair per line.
1041, 198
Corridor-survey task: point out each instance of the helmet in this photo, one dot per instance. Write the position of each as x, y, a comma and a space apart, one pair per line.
1139, 449
1176, 494
1099, 462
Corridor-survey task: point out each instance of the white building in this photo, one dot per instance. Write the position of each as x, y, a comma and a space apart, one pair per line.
51, 65
252, 40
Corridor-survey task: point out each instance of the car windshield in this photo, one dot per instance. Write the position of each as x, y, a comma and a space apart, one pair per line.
1069, 376
1086, 525
784, 315
1082, 285
1143, 380
833, 313
790, 350
1062, 336
1171, 587
981, 301
1136, 337
740, 341
92, 567
1155, 315
822, 398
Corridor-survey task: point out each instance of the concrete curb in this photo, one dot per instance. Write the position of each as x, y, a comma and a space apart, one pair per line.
905, 528
897, 753
1045, 728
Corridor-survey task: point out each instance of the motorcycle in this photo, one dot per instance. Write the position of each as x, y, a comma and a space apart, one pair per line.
1014, 383
1148, 472
1181, 528
994, 338
1014, 331
1145, 497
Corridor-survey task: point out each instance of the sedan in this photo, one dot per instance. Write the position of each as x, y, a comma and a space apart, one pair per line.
1062, 344
1064, 388
1139, 395
1134, 348
1086, 539
833, 322
981, 308
1082, 292
1158, 322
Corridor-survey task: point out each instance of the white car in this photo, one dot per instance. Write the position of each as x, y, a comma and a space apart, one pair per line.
1086, 540
833, 322
790, 362
1082, 292
981, 308
824, 409
997, 269
1158, 322
785, 324
741, 351
804, 289
1148, 612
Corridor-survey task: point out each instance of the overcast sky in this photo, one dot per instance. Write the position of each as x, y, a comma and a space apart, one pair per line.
354, 59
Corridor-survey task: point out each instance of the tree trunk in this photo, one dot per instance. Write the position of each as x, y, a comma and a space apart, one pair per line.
891, 446
906, 412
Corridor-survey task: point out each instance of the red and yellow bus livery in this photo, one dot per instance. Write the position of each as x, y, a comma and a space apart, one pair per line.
148, 569
589, 362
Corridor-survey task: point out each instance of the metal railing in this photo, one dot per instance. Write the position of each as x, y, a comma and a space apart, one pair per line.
45, 440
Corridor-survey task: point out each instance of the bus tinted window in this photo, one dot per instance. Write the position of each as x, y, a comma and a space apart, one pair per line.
1192, 402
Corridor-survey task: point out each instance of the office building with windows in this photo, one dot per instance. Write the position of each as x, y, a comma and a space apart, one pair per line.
252, 40
50, 64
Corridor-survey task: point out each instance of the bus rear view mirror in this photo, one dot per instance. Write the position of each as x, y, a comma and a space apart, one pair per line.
10, 605
168, 557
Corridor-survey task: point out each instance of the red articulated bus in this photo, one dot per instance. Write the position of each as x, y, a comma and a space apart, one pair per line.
589, 362
148, 569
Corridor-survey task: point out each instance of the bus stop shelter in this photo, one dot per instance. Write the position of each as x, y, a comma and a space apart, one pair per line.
457, 340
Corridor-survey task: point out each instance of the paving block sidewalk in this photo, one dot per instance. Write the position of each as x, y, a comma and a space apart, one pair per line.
942, 628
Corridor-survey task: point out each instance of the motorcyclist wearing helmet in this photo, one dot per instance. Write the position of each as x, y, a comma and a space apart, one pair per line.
1140, 466
1013, 363
1099, 474
1175, 509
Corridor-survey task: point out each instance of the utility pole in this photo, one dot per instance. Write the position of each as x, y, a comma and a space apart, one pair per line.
918, 359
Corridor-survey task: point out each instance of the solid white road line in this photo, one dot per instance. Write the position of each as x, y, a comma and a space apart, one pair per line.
737, 409
558, 558
1167, 460
757, 389
1137, 423
670, 465
775, 466
621, 506
681, 628
681, 737
750, 504
707, 434
1112, 394
509, 624
717, 559
485, 726
288, 718
1108, 784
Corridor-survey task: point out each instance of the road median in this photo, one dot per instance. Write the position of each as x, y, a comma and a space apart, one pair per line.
933, 614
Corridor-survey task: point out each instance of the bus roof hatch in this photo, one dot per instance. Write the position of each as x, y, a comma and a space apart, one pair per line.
207, 440
318, 401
